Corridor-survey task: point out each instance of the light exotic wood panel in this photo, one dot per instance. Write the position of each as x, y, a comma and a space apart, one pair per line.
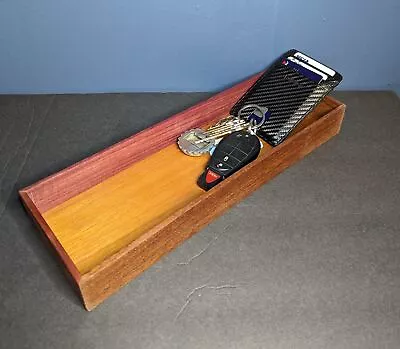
100, 221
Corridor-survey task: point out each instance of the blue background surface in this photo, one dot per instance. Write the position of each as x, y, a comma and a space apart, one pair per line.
192, 45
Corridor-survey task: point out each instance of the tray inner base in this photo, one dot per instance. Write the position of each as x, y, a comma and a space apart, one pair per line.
100, 221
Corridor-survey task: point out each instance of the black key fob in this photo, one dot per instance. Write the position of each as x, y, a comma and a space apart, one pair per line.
231, 154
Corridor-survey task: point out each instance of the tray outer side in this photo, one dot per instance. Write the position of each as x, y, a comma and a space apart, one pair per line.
122, 267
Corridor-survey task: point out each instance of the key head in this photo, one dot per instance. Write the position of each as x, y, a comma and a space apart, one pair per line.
188, 142
232, 153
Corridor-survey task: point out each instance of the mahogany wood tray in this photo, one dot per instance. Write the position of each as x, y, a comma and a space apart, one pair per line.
111, 216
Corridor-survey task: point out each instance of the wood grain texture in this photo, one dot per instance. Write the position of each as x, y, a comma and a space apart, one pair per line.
83, 175
109, 221
98, 222
119, 269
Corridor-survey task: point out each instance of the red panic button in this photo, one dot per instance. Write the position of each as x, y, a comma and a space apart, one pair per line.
211, 177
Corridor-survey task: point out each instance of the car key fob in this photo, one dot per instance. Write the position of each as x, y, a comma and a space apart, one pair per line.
231, 154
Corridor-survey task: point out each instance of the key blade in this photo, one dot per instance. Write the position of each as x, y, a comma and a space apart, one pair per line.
220, 135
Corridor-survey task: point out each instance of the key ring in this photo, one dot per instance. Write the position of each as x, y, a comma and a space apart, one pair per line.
254, 124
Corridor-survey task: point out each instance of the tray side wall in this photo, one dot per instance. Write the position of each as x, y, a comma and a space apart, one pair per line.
83, 175
122, 267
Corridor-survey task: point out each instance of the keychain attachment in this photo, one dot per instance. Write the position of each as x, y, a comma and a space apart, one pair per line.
255, 119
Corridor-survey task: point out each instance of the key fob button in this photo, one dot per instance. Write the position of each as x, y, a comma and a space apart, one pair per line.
238, 154
226, 161
247, 147
211, 177
222, 167
231, 161
229, 148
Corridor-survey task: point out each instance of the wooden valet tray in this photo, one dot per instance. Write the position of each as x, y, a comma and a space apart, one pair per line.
111, 216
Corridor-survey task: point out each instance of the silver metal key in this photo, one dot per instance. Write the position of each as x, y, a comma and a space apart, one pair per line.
223, 128
196, 142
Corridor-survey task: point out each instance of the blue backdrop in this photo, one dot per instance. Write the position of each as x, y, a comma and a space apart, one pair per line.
191, 45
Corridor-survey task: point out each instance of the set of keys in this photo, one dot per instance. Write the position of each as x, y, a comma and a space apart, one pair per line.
231, 142
197, 141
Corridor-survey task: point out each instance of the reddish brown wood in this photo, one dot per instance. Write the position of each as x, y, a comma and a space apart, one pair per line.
79, 177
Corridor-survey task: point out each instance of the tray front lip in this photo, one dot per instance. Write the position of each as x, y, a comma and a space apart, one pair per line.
337, 107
